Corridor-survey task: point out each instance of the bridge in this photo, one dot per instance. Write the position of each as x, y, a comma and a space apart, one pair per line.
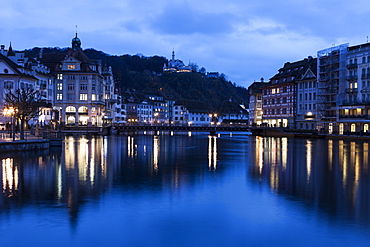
210, 129
117, 129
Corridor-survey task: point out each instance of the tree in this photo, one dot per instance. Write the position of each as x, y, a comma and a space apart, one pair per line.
26, 103
194, 67
203, 71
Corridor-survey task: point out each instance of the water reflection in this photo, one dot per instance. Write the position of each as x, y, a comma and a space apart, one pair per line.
9, 177
329, 174
85, 167
212, 152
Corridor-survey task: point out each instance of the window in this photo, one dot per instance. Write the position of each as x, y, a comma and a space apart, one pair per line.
83, 87
60, 76
59, 96
71, 66
60, 86
71, 109
8, 85
83, 96
273, 91
71, 86
93, 97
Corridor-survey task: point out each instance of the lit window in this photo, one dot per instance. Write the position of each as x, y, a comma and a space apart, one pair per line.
59, 96
83, 96
71, 66
93, 97
60, 76
59, 86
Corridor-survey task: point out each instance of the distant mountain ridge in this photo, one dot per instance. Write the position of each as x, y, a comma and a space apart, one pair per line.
146, 74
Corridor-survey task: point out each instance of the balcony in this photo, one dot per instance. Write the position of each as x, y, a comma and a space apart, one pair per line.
353, 117
351, 77
351, 66
351, 90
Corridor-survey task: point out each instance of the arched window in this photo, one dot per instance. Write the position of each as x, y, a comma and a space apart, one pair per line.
71, 109
353, 127
83, 109
366, 127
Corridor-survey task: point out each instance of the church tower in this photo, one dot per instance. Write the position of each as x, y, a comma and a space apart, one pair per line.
76, 43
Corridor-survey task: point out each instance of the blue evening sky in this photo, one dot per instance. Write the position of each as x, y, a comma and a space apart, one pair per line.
244, 39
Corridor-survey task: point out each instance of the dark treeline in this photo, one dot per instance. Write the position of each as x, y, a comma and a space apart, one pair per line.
145, 74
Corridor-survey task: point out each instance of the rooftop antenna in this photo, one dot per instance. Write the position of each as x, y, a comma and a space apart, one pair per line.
76, 30
367, 39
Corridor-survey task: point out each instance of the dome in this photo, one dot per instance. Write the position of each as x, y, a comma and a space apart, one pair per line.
76, 43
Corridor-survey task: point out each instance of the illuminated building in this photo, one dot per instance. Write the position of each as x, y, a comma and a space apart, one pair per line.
83, 86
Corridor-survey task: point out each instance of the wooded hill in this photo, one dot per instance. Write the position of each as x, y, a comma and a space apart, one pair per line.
145, 74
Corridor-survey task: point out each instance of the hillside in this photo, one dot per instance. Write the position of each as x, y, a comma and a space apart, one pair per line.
145, 74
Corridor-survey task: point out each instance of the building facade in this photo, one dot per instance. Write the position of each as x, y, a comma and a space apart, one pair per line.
80, 91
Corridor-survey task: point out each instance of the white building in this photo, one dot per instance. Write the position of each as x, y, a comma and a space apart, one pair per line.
189, 112
80, 86
176, 65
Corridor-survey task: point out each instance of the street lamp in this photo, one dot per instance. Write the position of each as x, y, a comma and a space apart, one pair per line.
156, 114
9, 112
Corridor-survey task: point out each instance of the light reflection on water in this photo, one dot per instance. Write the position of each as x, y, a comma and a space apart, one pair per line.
326, 174
188, 190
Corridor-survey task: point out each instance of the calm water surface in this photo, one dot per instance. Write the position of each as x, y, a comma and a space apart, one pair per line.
187, 190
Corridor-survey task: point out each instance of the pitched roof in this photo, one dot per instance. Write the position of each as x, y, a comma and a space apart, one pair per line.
194, 106
230, 107
15, 67
54, 60
296, 69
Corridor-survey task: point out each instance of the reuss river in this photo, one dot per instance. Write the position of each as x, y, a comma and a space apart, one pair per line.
187, 189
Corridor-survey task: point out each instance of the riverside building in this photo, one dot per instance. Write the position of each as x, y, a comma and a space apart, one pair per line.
80, 92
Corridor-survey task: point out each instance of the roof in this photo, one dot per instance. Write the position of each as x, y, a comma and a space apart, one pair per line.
54, 60
194, 106
296, 69
15, 67
230, 107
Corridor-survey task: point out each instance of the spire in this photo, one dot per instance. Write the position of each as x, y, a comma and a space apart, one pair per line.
10, 51
173, 55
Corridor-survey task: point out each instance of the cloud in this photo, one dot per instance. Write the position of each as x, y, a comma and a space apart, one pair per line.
182, 19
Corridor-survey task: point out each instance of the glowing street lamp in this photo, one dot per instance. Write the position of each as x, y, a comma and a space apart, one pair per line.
9, 112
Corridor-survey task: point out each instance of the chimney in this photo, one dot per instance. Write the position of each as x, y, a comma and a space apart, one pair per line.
262, 80
2, 51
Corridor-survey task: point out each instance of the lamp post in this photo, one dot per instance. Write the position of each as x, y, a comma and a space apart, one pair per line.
9, 112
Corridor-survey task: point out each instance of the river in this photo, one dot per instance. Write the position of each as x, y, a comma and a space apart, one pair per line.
187, 189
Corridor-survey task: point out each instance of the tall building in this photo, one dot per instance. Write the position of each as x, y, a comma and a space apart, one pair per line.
307, 96
331, 86
80, 93
354, 110
255, 103
280, 94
